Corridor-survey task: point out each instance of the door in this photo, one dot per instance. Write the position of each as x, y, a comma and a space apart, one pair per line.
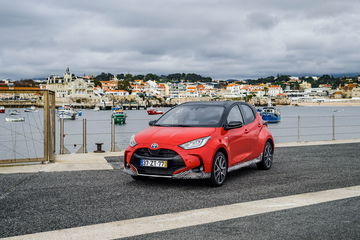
252, 128
237, 138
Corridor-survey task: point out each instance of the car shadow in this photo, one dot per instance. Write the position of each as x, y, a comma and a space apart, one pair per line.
232, 178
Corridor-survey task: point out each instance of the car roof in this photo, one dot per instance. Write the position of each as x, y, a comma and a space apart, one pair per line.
215, 103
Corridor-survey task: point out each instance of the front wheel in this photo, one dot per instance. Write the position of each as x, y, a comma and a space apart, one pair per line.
219, 170
267, 157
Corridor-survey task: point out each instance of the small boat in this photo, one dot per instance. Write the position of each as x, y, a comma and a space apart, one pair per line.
153, 111
20, 119
2, 109
31, 109
96, 108
67, 112
14, 112
270, 114
118, 115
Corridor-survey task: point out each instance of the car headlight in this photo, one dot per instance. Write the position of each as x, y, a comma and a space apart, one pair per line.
132, 142
197, 143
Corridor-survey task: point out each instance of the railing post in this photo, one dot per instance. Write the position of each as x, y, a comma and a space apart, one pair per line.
333, 127
112, 135
298, 129
62, 135
84, 136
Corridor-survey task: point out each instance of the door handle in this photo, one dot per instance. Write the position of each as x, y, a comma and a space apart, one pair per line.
246, 131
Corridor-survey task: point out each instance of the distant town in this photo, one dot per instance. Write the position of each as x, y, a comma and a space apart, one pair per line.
107, 89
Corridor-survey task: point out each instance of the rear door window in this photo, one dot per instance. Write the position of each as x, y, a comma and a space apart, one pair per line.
249, 115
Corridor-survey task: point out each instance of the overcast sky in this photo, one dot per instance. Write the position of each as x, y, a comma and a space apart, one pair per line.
222, 39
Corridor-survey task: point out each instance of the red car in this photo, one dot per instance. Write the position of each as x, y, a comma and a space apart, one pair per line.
201, 140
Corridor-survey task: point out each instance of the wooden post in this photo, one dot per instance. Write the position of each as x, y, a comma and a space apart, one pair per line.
53, 127
46, 126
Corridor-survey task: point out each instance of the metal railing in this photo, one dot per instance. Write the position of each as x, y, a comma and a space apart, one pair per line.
290, 129
43, 146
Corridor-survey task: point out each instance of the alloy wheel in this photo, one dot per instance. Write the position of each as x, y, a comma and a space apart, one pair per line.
220, 169
268, 156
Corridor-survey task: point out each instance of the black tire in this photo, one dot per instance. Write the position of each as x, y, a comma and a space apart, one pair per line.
267, 157
219, 170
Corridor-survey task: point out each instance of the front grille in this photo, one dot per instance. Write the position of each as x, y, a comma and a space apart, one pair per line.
175, 162
161, 153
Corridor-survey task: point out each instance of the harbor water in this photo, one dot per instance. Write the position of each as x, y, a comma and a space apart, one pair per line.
25, 139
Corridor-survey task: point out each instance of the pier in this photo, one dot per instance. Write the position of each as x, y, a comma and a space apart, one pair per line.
320, 193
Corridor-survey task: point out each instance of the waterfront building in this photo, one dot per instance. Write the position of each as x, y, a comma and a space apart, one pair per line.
304, 85
70, 88
120, 93
109, 85
355, 92
274, 90
163, 89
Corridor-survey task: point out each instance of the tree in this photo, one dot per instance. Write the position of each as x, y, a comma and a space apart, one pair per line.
102, 77
128, 77
138, 77
151, 76
124, 85
120, 76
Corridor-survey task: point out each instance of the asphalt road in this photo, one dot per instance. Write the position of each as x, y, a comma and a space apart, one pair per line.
39, 202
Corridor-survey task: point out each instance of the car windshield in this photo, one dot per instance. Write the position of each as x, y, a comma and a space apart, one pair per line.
192, 116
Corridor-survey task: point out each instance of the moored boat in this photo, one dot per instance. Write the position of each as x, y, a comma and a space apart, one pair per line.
67, 112
14, 112
31, 109
118, 115
2, 109
19, 119
153, 111
270, 114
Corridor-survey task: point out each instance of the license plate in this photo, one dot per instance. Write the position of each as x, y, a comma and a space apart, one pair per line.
153, 163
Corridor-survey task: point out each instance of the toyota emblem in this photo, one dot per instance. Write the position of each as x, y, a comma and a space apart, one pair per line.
154, 145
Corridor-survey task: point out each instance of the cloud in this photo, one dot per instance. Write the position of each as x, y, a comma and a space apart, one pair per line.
221, 39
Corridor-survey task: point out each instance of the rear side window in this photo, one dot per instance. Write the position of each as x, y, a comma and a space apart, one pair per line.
235, 115
249, 115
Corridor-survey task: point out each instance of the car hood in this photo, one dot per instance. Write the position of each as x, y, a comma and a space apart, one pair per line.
172, 135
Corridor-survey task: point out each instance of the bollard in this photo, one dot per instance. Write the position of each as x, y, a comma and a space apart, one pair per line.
112, 135
333, 127
98, 148
298, 129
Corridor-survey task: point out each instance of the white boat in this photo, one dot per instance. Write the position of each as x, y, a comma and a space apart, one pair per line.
2, 109
67, 112
31, 109
20, 119
96, 108
14, 112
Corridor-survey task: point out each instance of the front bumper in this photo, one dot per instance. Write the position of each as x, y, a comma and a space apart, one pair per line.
189, 174
182, 164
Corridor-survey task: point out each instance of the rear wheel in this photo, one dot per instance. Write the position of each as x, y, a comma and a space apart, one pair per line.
267, 157
219, 170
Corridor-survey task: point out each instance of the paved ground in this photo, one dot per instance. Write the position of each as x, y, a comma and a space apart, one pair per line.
38, 202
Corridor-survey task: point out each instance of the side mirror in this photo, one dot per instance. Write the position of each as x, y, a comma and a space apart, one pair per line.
233, 124
152, 123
